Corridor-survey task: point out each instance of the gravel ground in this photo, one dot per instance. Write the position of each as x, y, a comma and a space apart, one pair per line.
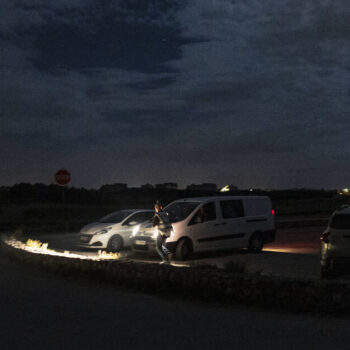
44, 311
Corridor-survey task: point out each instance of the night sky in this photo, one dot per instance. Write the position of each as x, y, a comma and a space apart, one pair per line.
249, 92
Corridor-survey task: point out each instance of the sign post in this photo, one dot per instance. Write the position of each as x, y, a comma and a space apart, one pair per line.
62, 178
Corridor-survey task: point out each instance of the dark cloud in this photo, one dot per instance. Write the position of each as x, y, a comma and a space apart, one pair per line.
110, 45
153, 83
254, 93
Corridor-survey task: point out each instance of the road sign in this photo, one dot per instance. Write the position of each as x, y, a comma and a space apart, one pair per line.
62, 177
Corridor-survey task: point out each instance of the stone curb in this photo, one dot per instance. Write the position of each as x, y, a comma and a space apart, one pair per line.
332, 297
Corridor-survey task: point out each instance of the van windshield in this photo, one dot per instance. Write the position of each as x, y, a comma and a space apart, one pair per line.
179, 211
341, 222
117, 216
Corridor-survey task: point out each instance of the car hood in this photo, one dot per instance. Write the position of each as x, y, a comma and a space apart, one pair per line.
94, 227
146, 228
146, 225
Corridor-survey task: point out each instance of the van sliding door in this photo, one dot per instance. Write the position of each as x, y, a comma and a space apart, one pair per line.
232, 224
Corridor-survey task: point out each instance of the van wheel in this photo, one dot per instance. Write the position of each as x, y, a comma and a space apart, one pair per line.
256, 243
183, 249
115, 244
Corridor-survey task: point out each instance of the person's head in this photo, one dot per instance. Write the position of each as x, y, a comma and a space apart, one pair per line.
158, 206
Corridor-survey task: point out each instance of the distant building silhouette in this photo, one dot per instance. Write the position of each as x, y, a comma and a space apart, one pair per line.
113, 188
203, 187
147, 186
167, 186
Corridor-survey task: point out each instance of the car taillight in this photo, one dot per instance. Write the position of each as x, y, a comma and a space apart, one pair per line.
273, 212
325, 237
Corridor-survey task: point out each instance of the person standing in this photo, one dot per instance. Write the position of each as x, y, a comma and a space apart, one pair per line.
162, 222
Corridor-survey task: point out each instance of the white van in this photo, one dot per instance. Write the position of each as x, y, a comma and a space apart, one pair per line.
213, 223
335, 244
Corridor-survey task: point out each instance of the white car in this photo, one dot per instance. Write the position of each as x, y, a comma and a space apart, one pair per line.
335, 244
213, 223
113, 231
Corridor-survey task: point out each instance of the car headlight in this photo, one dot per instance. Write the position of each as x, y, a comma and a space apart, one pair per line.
101, 232
135, 230
155, 233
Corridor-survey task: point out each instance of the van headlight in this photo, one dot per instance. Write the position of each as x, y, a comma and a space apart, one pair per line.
135, 230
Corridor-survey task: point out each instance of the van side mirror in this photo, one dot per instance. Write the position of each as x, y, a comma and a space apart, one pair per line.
132, 223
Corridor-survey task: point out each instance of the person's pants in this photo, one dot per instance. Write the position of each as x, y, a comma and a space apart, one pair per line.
161, 248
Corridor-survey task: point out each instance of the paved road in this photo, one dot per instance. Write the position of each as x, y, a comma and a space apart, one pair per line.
294, 254
43, 311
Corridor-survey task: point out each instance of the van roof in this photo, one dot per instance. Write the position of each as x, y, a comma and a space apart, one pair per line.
204, 199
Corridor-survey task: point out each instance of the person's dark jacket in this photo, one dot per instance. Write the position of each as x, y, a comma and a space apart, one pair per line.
161, 220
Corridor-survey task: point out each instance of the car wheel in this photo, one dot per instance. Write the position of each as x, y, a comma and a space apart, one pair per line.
183, 249
115, 244
256, 243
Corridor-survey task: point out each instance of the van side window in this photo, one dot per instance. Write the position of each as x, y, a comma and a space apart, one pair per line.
231, 209
205, 213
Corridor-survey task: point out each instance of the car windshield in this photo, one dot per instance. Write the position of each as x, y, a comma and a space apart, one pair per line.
179, 211
117, 216
341, 222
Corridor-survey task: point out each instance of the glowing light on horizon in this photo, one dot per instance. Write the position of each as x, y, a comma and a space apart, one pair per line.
344, 191
225, 188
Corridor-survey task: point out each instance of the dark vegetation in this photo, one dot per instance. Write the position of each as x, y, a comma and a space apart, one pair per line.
51, 208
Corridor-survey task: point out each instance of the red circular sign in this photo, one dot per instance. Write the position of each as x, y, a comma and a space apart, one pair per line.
62, 177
